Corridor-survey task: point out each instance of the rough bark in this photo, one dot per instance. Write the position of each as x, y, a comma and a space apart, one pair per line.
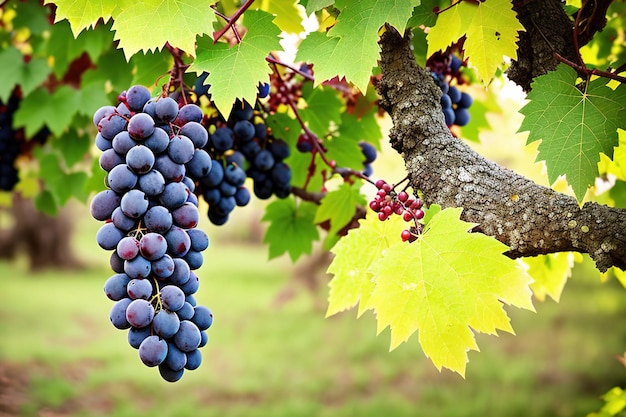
529, 218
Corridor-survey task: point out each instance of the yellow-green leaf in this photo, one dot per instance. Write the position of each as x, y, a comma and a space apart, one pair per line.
491, 33
150, 24
550, 273
448, 284
289, 14
82, 14
352, 282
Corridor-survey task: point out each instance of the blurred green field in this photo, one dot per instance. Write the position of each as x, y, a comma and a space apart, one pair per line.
59, 355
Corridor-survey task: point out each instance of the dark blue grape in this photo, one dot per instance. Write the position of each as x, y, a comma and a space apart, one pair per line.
194, 359
222, 139
166, 109
153, 351
137, 96
455, 94
157, 141
263, 90
117, 314
369, 151
465, 101
264, 160
244, 130
134, 203
152, 183
241, 110
121, 179
188, 113
103, 204
188, 336
108, 236
136, 336
181, 149
200, 164
461, 116
165, 323
196, 132
140, 159
115, 286
158, 219
138, 268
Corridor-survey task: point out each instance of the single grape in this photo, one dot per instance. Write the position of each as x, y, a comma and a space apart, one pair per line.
165, 323
137, 268
137, 96
196, 132
115, 286
136, 336
140, 126
172, 297
188, 336
140, 159
152, 246
181, 149
103, 204
152, 350
166, 109
139, 288
163, 267
134, 203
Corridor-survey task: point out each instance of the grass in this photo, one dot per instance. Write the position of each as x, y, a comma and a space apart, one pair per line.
60, 356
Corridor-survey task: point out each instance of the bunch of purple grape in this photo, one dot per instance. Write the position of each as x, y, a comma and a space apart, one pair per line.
13, 142
454, 102
152, 153
241, 148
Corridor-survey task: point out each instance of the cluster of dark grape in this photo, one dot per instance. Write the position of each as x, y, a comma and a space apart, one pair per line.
152, 153
241, 147
13, 142
445, 68
388, 202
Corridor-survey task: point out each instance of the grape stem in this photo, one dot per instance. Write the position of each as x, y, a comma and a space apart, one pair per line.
230, 22
177, 72
273, 60
344, 172
588, 72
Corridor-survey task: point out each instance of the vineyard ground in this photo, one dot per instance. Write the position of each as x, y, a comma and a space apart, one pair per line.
59, 355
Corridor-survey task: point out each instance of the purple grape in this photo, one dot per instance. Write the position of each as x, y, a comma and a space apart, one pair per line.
140, 126
194, 359
139, 313
191, 287
122, 142
134, 203
166, 109
110, 159
223, 139
101, 113
185, 313
140, 159
176, 359
465, 101
165, 323
264, 160
152, 183
128, 248
152, 351
137, 96
163, 267
200, 164
169, 374
242, 196
118, 314
461, 116
108, 236
103, 143
244, 130
202, 317
152, 246
103, 204
121, 179
199, 239
139, 289
158, 219
188, 336
196, 132
138, 268
136, 336
122, 221
172, 297
181, 149
181, 273
111, 125
115, 287
157, 141
194, 259
188, 113
186, 216
171, 171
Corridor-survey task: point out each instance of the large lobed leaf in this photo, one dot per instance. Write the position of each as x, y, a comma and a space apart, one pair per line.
350, 49
142, 25
574, 125
491, 32
235, 72
448, 284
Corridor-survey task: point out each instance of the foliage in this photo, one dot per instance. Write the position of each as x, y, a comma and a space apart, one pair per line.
63, 72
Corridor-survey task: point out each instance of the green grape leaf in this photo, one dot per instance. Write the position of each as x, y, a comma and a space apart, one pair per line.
447, 284
574, 126
82, 14
27, 75
235, 72
352, 282
550, 273
291, 229
41, 108
284, 127
30, 15
139, 26
323, 108
314, 5
60, 184
339, 206
351, 49
365, 128
45, 203
73, 146
289, 14
150, 66
491, 32
345, 151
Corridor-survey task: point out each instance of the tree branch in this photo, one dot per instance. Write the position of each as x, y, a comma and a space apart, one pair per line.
529, 218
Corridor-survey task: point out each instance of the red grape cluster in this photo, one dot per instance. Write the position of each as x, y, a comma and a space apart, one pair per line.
387, 202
